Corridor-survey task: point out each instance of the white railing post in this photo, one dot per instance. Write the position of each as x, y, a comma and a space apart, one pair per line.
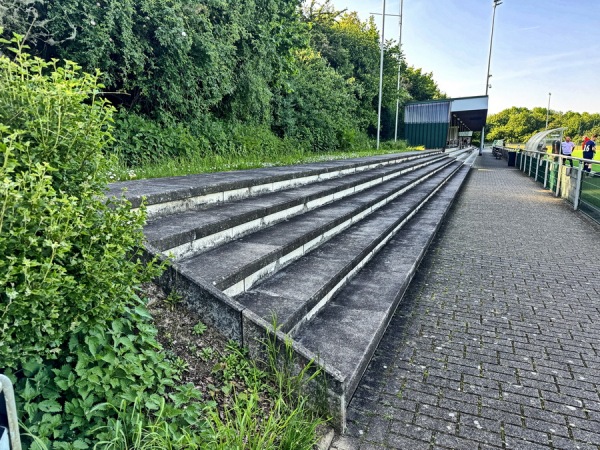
578, 187
558, 176
6, 389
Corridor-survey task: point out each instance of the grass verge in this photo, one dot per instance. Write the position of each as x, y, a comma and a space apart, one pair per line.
241, 160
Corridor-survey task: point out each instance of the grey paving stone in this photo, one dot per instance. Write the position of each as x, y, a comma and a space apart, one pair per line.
455, 442
508, 336
408, 430
400, 442
570, 444
481, 436
588, 437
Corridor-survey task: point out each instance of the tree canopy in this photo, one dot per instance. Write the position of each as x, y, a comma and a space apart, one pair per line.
304, 71
518, 124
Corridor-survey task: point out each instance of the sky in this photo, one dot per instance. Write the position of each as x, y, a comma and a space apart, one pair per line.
542, 50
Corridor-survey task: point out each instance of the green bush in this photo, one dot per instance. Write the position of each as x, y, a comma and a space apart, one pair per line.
105, 368
139, 140
75, 338
318, 105
69, 258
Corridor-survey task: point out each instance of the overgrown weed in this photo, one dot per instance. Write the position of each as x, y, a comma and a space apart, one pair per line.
240, 160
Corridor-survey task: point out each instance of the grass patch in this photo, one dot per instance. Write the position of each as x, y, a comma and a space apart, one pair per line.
590, 190
240, 160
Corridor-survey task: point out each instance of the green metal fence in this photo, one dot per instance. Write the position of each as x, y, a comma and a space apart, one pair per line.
580, 189
429, 135
427, 123
590, 197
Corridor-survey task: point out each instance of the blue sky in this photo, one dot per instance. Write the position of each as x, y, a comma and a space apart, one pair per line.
539, 47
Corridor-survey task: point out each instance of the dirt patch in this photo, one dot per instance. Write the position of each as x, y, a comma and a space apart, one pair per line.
212, 363
176, 333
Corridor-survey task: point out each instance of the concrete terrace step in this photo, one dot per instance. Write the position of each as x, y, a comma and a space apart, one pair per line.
164, 196
346, 332
189, 232
296, 293
234, 267
328, 249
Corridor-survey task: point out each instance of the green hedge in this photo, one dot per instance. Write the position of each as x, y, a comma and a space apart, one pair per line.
76, 339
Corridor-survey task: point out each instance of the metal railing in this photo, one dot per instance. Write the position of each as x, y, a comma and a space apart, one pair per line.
10, 411
554, 171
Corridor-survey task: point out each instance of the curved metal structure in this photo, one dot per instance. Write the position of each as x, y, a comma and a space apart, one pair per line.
544, 140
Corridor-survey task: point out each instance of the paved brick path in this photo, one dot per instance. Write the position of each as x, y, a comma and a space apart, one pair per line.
497, 343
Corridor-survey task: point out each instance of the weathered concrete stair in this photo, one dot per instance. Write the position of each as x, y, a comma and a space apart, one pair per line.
191, 231
324, 251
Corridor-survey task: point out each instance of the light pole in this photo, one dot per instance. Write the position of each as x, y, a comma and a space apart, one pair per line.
399, 69
487, 78
548, 109
381, 75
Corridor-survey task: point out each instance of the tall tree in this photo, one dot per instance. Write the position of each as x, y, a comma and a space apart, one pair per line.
421, 85
518, 124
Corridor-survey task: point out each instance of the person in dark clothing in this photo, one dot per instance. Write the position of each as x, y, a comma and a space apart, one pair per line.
588, 153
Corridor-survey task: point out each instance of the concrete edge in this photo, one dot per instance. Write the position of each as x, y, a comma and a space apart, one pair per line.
355, 377
325, 386
244, 178
216, 308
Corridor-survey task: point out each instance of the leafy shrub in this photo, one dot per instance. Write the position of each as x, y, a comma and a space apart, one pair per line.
318, 106
260, 142
69, 258
74, 335
106, 367
50, 124
140, 140
393, 145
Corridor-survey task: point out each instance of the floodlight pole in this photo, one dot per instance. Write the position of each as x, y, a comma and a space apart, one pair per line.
487, 78
548, 109
399, 70
381, 75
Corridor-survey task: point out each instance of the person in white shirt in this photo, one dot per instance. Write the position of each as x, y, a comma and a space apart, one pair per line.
566, 148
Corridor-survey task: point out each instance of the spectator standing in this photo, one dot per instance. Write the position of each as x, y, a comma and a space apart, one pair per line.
589, 152
566, 148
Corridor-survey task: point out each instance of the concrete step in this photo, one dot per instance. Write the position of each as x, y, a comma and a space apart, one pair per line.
234, 267
164, 196
326, 249
296, 293
346, 332
190, 232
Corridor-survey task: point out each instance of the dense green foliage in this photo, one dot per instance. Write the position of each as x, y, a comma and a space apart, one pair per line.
191, 77
74, 332
519, 124
318, 107
77, 340
69, 257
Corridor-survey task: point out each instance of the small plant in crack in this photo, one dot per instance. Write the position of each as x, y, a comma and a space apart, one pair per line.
200, 328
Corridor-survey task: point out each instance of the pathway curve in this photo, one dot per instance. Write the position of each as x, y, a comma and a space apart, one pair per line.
497, 342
